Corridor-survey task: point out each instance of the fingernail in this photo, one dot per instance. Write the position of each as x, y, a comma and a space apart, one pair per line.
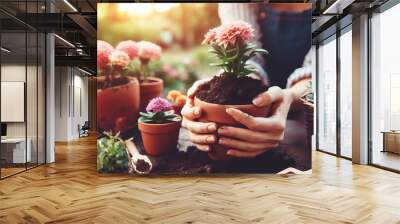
229, 152
210, 139
221, 130
221, 141
229, 110
211, 127
257, 101
207, 148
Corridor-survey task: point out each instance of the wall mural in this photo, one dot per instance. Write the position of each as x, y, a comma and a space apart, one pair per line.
187, 89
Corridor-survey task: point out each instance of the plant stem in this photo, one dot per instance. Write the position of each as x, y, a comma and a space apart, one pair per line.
109, 77
143, 69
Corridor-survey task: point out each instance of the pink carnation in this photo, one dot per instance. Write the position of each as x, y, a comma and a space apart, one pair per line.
149, 51
158, 105
104, 50
230, 33
120, 59
211, 36
130, 47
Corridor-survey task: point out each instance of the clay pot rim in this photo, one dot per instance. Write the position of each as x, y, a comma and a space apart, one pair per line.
163, 124
151, 81
164, 128
237, 106
132, 80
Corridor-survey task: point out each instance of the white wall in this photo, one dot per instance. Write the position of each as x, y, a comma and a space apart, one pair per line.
71, 93
33, 127
16, 73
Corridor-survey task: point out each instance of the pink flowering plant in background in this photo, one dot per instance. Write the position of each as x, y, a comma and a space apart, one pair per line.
231, 44
159, 111
127, 57
147, 52
130, 47
104, 51
119, 60
112, 62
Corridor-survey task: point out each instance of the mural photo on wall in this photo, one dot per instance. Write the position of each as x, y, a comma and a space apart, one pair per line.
188, 89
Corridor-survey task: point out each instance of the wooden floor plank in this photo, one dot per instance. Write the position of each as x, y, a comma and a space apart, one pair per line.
71, 191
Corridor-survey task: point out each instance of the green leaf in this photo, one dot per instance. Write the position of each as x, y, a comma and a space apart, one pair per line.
219, 64
262, 51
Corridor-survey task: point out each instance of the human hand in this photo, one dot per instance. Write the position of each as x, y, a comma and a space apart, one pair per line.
263, 133
200, 133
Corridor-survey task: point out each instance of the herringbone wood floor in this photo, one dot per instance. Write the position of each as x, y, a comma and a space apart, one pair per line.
70, 191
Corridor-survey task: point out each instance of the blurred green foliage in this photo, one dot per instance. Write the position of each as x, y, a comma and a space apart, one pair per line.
186, 23
179, 29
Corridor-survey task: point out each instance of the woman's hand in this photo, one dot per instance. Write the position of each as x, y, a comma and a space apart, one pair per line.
201, 133
263, 133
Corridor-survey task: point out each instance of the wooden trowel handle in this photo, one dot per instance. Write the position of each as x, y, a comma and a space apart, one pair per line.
133, 150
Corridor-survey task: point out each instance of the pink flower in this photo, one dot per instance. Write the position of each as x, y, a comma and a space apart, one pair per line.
120, 59
149, 51
158, 105
229, 34
211, 36
173, 73
104, 50
232, 32
130, 47
166, 67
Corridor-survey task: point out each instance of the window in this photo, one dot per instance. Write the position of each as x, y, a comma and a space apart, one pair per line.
22, 76
385, 89
346, 93
327, 96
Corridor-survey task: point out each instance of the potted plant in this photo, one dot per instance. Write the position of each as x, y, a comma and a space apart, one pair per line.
117, 94
233, 88
177, 99
159, 127
111, 154
150, 87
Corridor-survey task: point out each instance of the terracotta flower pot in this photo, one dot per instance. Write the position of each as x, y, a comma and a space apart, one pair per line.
118, 106
217, 113
160, 139
149, 89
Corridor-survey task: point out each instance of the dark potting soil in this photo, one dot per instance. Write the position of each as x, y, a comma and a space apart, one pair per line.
142, 166
114, 81
230, 90
195, 162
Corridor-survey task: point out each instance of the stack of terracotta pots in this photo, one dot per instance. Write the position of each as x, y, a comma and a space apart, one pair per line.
120, 96
119, 106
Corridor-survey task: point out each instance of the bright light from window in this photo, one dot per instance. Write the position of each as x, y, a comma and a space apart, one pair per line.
145, 8
165, 7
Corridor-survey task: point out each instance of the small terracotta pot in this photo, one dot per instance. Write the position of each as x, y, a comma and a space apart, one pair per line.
150, 88
118, 106
160, 139
217, 113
